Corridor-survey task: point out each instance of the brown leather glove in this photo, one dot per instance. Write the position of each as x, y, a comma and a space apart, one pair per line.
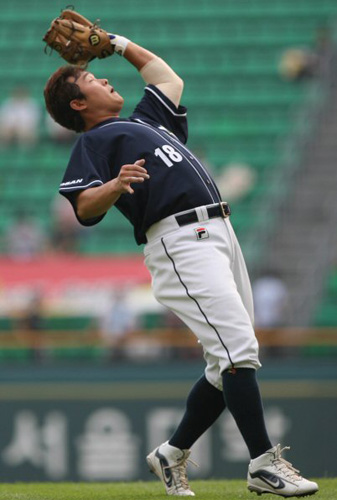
77, 39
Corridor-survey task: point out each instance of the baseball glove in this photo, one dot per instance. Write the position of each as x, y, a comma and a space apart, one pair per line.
77, 39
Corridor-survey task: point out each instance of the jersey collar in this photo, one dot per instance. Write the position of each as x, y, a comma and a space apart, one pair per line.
109, 120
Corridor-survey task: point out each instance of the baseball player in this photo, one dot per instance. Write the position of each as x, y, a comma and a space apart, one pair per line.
141, 165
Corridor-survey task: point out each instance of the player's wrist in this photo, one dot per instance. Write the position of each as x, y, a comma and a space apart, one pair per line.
119, 43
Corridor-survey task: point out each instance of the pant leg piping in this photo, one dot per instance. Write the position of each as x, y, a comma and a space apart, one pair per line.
196, 302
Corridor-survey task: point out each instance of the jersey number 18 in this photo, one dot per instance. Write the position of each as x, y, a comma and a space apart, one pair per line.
171, 155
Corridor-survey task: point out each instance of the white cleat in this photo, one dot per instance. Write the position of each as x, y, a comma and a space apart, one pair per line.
270, 473
169, 464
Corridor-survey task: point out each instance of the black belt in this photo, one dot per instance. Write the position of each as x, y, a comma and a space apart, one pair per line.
218, 210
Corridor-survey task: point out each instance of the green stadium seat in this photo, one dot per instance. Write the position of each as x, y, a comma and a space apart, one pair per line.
326, 311
15, 354
76, 353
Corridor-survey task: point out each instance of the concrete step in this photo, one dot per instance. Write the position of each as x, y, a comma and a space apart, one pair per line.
300, 247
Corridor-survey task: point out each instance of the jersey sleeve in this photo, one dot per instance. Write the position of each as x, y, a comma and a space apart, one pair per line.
160, 109
86, 169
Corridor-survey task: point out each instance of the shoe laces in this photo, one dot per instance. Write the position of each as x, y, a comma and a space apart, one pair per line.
179, 470
284, 466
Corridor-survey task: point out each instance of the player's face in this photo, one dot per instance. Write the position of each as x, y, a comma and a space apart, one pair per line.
100, 96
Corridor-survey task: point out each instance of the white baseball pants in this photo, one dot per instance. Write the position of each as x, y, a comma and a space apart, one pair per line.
198, 272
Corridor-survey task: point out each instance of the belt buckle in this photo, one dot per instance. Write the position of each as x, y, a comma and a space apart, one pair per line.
225, 209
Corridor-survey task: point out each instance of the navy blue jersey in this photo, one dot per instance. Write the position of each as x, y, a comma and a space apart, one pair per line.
157, 132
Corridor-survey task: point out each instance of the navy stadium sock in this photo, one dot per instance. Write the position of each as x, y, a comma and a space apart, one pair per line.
242, 397
203, 406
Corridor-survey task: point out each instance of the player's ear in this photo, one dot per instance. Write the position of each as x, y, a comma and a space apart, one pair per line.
78, 104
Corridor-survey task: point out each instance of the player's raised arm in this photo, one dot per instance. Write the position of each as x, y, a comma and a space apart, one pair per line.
155, 71
78, 41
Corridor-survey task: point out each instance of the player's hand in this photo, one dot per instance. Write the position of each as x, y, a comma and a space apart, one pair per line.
129, 174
